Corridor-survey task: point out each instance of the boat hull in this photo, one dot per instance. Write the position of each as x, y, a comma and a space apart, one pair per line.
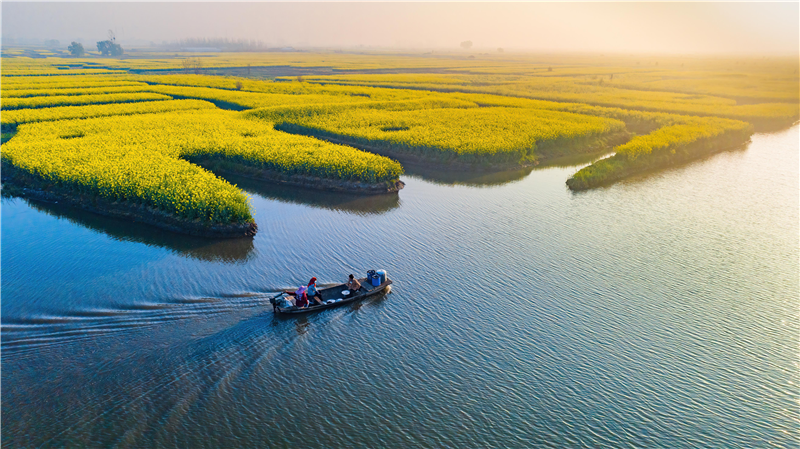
335, 292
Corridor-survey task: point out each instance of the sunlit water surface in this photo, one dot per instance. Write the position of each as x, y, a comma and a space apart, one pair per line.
662, 311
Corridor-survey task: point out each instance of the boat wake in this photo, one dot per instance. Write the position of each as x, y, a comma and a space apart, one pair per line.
29, 333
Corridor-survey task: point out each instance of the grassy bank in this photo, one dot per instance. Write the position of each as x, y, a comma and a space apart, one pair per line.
24, 184
667, 146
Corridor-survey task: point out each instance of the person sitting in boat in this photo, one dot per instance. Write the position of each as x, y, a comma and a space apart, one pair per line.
301, 297
353, 285
313, 293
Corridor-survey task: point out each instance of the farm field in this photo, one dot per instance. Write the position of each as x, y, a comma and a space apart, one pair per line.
142, 132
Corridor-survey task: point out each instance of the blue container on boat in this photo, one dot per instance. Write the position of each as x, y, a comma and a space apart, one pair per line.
381, 275
373, 278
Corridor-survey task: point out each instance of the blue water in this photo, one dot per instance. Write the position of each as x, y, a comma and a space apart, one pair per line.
662, 311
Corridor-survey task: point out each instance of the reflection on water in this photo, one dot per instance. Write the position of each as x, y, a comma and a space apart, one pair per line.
657, 173
439, 175
338, 201
574, 160
213, 250
301, 324
489, 178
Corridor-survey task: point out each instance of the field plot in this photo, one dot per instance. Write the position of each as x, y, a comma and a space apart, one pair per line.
65, 82
468, 135
668, 145
138, 159
248, 100
599, 92
75, 100
13, 118
776, 85
124, 87
134, 130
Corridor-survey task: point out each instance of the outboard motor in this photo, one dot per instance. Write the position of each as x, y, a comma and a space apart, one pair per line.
274, 304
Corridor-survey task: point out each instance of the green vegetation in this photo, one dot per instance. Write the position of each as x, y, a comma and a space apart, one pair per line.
76, 49
664, 147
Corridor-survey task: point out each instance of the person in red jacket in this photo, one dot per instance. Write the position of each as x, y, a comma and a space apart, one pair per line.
313, 293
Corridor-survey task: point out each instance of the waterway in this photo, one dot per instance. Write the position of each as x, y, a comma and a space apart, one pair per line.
662, 311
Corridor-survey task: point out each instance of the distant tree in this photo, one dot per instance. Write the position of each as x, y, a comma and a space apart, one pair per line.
239, 85
104, 47
52, 43
611, 77
500, 50
466, 45
76, 49
299, 78
549, 69
109, 48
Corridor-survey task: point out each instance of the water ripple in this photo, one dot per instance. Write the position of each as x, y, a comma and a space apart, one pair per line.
657, 312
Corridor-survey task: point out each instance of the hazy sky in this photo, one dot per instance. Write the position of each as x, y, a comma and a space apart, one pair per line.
757, 28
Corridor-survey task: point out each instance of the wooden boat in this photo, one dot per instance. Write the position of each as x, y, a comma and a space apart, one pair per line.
335, 293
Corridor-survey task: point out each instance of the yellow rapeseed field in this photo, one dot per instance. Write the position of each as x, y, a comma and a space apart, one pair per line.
471, 135
76, 100
15, 117
139, 159
99, 127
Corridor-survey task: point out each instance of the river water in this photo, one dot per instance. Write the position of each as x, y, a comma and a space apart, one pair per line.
662, 311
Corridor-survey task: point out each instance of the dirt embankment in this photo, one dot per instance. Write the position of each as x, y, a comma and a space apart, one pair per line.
221, 167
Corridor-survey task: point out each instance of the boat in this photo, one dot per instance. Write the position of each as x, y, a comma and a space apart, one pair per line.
333, 297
